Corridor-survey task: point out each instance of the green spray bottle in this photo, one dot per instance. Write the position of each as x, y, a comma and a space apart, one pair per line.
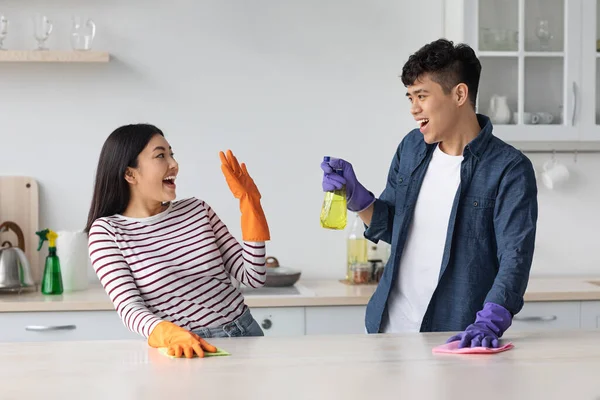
52, 279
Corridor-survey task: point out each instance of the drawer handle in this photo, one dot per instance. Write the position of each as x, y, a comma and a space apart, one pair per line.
536, 319
267, 324
42, 328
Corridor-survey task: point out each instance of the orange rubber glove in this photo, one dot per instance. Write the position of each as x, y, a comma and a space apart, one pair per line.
254, 222
178, 340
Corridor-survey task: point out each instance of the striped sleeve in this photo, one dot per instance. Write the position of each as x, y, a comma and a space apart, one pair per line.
116, 278
247, 262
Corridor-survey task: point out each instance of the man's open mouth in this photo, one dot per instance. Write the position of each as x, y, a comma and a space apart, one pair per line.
423, 122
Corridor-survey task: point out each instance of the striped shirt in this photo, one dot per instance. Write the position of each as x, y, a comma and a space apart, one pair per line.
181, 265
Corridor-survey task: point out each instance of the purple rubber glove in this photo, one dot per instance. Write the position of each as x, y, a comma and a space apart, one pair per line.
357, 196
490, 324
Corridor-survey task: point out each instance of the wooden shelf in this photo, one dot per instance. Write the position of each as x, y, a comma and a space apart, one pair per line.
50, 56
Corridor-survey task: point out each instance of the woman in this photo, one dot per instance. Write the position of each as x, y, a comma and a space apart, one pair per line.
171, 267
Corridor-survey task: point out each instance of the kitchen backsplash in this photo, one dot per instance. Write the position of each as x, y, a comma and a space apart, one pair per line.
569, 218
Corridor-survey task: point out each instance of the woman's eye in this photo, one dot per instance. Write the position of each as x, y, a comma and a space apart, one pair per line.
160, 155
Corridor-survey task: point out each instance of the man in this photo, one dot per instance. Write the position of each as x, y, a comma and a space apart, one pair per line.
459, 210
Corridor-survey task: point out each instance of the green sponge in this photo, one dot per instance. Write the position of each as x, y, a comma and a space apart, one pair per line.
220, 352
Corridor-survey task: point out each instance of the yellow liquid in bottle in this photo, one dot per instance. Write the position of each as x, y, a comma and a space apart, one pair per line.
334, 214
357, 254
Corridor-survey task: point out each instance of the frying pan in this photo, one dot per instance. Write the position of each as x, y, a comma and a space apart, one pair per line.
278, 276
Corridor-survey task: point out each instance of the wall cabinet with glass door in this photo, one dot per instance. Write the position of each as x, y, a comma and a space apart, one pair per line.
590, 70
534, 85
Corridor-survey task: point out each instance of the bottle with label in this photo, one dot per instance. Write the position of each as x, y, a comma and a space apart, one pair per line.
334, 214
357, 250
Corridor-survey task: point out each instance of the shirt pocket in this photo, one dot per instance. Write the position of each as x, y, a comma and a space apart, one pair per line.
475, 218
402, 181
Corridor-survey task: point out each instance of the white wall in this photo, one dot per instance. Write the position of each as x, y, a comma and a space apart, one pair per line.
282, 83
569, 218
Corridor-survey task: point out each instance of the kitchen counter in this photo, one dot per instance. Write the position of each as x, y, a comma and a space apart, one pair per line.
556, 365
306, 293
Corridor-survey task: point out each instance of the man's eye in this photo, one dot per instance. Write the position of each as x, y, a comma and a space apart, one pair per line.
161, 155
421, 97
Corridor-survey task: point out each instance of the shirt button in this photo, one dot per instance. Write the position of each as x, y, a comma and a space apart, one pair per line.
475, 203
400, 180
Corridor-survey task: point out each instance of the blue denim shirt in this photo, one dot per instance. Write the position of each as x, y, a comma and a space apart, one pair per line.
491, 231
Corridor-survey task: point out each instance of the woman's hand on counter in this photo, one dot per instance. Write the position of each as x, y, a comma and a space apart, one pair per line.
178, 341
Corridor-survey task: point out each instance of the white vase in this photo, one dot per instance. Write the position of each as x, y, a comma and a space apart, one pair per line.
499, 111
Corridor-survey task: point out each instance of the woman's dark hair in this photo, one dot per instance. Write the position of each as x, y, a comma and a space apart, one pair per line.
448, 65
121, 150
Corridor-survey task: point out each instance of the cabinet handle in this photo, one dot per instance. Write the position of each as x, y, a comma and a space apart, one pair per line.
42, 328
267, 324
536, 319
574, 104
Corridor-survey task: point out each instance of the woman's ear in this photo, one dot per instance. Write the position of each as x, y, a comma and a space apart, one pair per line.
130, 176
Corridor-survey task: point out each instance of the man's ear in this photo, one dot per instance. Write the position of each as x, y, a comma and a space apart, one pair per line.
461, 94
130, 176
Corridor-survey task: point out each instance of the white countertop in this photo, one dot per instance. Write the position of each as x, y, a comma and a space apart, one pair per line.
551, 365
308, 293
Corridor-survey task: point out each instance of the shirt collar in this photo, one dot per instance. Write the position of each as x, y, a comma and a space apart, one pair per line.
478, 145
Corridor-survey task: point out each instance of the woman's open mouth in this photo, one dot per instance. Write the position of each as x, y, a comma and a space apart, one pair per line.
169, 182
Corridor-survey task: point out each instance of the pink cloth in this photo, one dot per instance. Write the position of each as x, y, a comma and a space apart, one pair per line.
452, 348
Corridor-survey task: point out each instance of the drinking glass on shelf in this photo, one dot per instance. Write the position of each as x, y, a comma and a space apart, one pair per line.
3, 30
42, 28
82, 33
542, 31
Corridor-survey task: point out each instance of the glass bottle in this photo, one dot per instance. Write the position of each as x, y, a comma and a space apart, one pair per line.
356, 249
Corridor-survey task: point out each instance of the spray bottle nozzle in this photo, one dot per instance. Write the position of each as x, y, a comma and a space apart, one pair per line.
49, 235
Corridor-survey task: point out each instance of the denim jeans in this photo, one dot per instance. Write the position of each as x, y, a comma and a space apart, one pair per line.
245, 325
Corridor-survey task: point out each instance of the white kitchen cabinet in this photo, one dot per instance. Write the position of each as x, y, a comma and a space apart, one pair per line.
280, 321
275, 321
64, 325
559, 75
590, 69
337, 320
548, 315
590, 315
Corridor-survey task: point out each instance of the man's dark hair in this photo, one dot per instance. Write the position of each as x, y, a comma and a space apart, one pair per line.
446, 64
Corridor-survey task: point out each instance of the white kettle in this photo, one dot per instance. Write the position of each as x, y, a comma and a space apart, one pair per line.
15, 271
499, 111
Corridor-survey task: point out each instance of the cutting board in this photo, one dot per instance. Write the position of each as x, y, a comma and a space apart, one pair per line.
19, 203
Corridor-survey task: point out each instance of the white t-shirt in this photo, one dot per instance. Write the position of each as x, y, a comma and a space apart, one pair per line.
422, 256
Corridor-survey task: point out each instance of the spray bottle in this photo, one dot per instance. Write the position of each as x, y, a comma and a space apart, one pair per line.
52, 279
333, 211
